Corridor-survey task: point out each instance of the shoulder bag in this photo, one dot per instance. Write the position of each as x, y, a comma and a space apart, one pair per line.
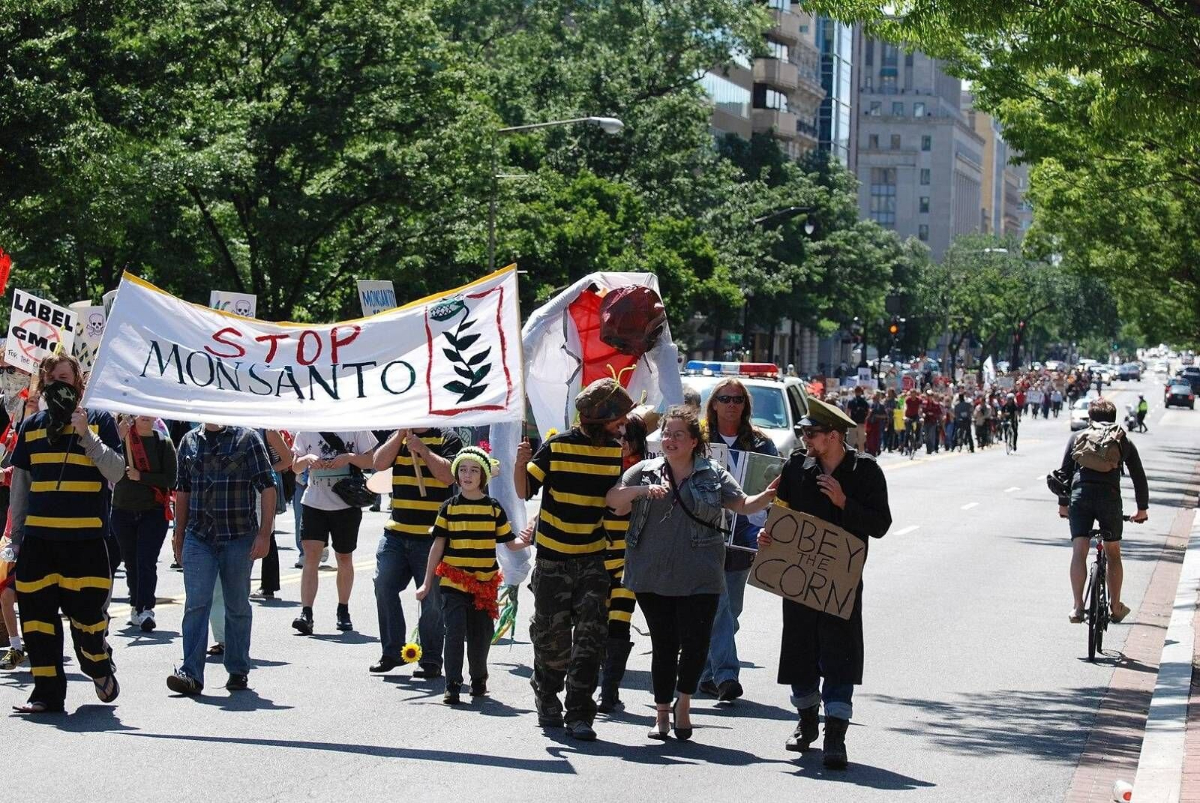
353, 489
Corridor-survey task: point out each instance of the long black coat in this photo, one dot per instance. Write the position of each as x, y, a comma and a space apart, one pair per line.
817, 644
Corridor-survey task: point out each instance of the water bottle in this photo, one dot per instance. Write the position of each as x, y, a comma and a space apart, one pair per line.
1122, 791
8, 555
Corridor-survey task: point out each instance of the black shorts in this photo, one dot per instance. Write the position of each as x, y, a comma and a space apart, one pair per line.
341, 525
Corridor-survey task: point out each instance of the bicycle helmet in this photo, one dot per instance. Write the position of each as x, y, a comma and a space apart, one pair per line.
1058, 484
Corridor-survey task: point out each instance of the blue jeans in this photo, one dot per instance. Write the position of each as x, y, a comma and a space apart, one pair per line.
399, 561
203, 564
141, 534
837, 698
723, 662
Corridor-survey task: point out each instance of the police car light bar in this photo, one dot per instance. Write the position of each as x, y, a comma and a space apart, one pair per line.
733, 368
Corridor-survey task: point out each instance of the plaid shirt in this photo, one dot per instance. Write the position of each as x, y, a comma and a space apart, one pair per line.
223, 471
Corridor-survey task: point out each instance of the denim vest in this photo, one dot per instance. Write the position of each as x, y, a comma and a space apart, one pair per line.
701, 493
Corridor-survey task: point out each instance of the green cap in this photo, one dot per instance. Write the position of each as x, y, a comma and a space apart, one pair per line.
822, 414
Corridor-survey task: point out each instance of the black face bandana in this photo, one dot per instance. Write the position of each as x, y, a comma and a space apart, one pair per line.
61, 401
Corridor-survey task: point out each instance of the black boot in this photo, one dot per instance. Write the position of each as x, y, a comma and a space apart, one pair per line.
806, 731
835, 743
616, 655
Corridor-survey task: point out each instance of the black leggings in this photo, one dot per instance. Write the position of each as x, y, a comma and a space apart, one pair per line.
680, 628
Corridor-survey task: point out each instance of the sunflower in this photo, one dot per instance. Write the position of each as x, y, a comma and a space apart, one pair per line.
411, 653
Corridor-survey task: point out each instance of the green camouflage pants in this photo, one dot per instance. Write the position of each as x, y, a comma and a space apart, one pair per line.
570, 624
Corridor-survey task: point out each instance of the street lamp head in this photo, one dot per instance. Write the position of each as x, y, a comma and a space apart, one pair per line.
610, 125
809, 227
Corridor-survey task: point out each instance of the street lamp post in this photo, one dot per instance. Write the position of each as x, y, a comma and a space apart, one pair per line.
609, 125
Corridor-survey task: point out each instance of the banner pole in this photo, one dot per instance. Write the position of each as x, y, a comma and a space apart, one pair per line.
416, 468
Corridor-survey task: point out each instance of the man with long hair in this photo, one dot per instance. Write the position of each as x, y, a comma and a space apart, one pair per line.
574, 471
63, 458
728, 417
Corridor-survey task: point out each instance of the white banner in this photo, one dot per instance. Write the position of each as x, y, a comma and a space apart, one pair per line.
89, 329
37, 329
376, 296
243, 304
447, 360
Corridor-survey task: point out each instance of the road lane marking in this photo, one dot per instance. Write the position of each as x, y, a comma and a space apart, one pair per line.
907, 529
1010, 490
969, 505
1039, 478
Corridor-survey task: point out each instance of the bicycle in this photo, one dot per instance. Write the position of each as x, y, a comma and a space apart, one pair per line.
1097, 612
961, 434
912, 438
1009, 434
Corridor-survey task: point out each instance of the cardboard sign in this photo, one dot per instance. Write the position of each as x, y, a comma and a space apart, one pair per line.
244, 304
810, 561
89, 330
376, 296
37, 329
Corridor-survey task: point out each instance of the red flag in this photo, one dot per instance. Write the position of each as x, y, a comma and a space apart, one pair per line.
5, 269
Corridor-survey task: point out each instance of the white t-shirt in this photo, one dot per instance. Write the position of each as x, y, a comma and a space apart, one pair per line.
319, 491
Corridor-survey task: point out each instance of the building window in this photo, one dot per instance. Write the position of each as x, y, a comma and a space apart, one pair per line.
887, 84
919, 109
765, 98
883, 195
927, 143
873, 142
778, 50
889, 56
870, 56
780, 5
923, 233
726, 95
908, 59
924, 176
924, 204
868, 83
876, 108
897, 108
895, 142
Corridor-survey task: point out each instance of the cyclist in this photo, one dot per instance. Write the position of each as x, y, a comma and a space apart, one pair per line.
912, 420
1011, 412
962, 422
931, 411
1095, 495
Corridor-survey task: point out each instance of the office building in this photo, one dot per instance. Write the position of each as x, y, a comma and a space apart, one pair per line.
836, 119
920, 164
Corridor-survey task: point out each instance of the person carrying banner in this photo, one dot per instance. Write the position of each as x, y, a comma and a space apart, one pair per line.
821, 657
141, 511
329, 458
574, 470
218, 536
420, 460
729, 413
63, 457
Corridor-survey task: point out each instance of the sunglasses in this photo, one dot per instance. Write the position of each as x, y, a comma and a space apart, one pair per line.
809, 432
724, 399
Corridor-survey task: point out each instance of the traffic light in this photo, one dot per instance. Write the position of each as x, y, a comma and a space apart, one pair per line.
894, 327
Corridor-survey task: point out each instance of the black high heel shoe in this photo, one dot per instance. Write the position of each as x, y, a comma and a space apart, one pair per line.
682, 734
661, 734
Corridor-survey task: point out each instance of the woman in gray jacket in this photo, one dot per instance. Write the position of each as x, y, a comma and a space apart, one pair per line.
675, 557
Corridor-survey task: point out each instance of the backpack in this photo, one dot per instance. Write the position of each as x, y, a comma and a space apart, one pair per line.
1099, 447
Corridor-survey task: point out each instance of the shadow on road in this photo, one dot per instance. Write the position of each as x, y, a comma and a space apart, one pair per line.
857, 775
84, 719
410, 753
1046, 725
245, 700
665, 753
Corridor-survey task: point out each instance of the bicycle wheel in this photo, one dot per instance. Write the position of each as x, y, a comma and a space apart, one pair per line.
1008, 444
1093, 612
1104, 613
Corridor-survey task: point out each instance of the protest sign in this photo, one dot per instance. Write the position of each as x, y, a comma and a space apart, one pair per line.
376, 296
12, 382
244, 304
89, 329
445, 360
810, 561
37, 329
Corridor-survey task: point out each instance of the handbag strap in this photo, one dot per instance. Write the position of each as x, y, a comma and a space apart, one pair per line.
684, 507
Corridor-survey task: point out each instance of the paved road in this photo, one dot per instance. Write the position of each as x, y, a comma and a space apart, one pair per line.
976, 687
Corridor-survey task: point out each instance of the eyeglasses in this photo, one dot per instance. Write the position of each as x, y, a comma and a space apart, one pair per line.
724, 399
809, 432
676, 435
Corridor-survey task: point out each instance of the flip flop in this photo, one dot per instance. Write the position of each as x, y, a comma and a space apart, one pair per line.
217, 649
1120, 613
107, 688
36, 707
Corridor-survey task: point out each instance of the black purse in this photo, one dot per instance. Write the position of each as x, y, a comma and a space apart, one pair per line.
353, 489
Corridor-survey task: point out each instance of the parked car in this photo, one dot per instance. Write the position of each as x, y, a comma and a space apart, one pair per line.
1181, 394
1191, 376
1130, 371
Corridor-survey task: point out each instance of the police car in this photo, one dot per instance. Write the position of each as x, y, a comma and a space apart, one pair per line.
777, 402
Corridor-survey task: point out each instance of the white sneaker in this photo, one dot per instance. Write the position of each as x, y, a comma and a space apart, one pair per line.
136, 618
325, 557
148, 623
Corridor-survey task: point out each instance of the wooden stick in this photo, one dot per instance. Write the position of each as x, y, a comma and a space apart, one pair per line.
416, 466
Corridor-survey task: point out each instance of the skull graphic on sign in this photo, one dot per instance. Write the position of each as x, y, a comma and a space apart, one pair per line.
242, 307
95, 324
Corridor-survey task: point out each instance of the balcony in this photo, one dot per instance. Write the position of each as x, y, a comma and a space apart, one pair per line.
807, 133
781, 124
787, 26
776, 73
